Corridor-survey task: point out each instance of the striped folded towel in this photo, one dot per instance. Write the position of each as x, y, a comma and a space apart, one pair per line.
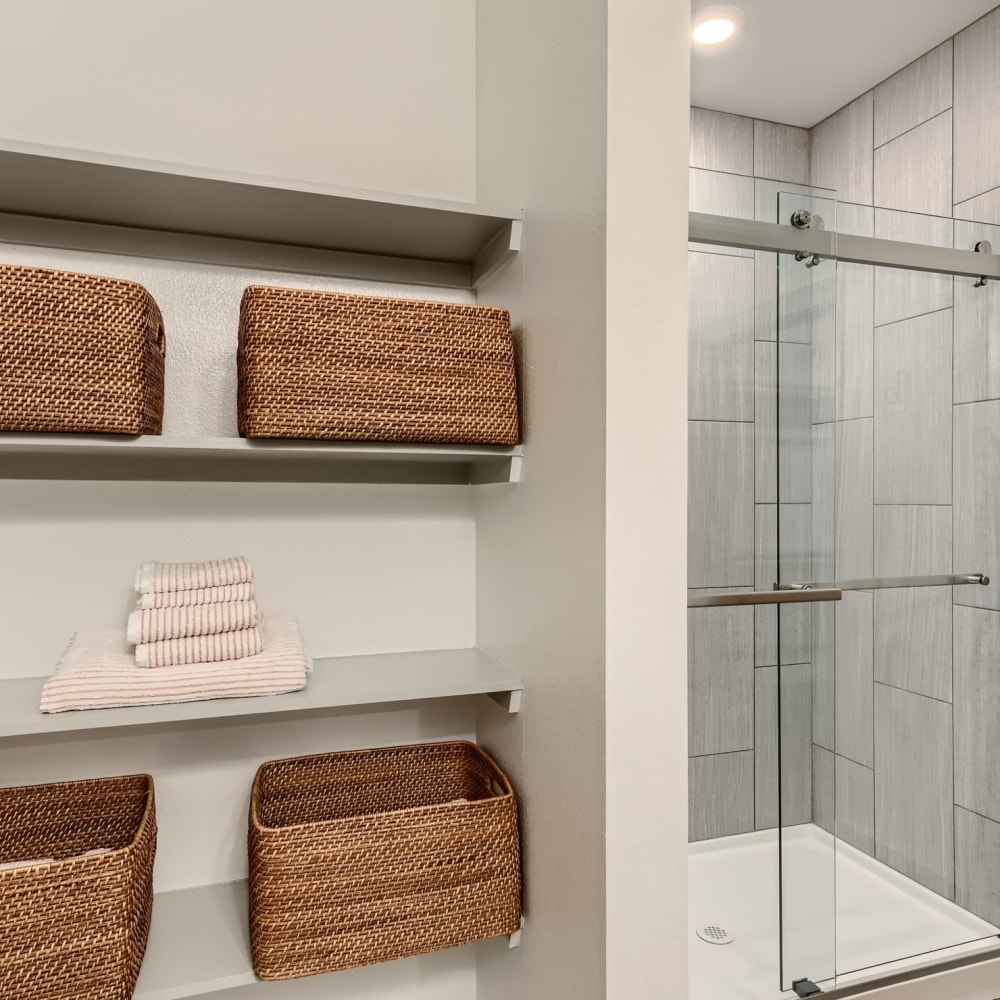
99, 671
192, 598
157, 624
156, 577
200, 649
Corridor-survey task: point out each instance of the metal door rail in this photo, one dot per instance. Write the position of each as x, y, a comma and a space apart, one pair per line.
752, 597
889, 583
747, 234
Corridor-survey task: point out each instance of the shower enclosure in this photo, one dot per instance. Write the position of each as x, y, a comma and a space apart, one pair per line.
845, 459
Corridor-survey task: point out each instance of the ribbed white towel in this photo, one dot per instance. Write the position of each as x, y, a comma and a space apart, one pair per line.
191, 598
200, 649
157, 624
99, 671
156, 577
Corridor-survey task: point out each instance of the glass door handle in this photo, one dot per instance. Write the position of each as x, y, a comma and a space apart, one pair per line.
891, 582
754, 597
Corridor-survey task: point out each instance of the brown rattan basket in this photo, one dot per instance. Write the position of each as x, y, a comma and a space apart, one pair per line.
339, 367
74, 928
372, 855
79, 353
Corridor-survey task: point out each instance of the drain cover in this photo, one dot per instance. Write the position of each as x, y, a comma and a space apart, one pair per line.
714, 934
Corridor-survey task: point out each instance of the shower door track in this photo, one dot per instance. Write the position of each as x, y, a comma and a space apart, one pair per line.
746, 234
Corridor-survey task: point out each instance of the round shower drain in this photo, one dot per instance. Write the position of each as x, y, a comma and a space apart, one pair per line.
714, 934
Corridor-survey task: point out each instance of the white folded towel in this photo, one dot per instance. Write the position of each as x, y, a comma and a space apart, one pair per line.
190, 598
8, 865
200, 649
156, 577
157, 624
98, 670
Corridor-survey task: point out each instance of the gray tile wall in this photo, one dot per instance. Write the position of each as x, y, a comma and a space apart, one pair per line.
888, 467
738, 168
906, 707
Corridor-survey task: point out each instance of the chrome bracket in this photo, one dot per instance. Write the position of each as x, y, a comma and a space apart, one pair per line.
983, 246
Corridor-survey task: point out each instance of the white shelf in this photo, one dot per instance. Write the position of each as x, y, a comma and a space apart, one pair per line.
80, 200
336, 682
112, 457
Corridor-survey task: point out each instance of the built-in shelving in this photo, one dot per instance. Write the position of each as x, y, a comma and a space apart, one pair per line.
335, 682
79, 200
113, 457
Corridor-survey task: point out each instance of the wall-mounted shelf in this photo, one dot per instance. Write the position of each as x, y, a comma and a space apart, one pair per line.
80, 200
336, 682
111, 457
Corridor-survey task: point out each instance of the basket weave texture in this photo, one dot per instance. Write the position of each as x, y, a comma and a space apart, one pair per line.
79, 353
371, 855
340, 367
75, 928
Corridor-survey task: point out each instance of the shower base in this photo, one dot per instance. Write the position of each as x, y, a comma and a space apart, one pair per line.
881, 921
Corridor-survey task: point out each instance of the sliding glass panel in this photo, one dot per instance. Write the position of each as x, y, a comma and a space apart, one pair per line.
795, 692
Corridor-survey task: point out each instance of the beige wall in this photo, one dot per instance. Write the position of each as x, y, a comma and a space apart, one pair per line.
646, 616
377, 94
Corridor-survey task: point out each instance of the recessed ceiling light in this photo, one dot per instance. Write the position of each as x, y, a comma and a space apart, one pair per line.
714, 30
715, 25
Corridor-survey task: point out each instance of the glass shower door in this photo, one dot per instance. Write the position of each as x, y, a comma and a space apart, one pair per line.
802, 540
888, 426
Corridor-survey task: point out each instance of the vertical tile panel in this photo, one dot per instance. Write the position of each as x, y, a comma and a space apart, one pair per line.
766, 422
721, 194
914, 823
824, 790
720, 504
780, 152
765, 575
795, 692
720, 337
720, 795
914, 95
977, 320
913, 172
977, 500
855, 795
913, 647
720, 680
824, 672
842, 152
904, 294
854, 678
794, 423
855, 331
795, 566
977, 108
823, 501
854, 513
977, 875
977, 710
722, 142
913, 411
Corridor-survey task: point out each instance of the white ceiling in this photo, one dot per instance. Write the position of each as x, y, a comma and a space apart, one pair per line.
798, 61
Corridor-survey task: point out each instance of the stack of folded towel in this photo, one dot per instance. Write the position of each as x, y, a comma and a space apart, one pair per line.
198, 625
194, 613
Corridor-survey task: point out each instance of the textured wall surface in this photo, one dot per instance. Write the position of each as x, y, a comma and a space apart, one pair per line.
378, 95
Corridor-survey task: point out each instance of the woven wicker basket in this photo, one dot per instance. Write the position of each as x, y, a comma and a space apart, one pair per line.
357, 368
79, 353
372, 855
75, 928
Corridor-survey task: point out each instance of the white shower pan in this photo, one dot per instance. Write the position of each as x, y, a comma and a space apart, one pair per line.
848, 916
